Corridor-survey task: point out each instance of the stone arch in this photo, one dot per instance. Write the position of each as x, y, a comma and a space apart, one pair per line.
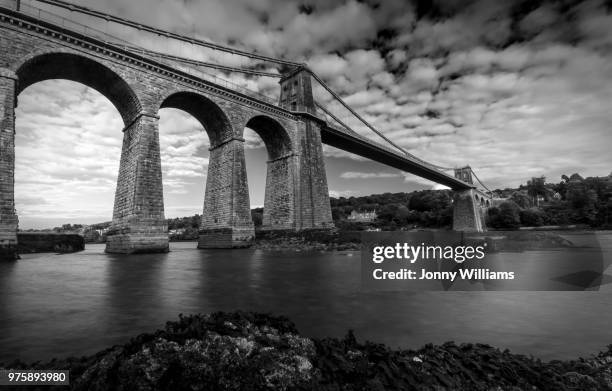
226, 217
63, 64
208, 113
279, 199
138, 215
273, 134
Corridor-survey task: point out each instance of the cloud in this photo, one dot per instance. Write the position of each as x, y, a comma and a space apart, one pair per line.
334, 29
341, 193
368, 175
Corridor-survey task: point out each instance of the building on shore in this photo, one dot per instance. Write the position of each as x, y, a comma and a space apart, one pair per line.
362, 217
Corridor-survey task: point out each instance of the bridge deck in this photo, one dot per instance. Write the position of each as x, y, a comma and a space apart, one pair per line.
353, 142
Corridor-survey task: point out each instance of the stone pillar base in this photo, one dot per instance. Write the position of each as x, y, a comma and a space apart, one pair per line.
226, 238
134, 243
468, 216
277, 228
311, 234
8, 252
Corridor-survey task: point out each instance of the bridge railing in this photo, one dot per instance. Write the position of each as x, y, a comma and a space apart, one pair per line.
62, 21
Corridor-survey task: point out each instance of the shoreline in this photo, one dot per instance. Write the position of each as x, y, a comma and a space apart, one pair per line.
336, 240
244, 350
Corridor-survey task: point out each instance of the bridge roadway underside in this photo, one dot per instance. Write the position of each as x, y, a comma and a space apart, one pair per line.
349, 143
469, 204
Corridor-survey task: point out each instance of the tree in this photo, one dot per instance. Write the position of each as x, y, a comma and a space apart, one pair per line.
521, 199
577, 193
535, 188
257, 216
532, 217
505, 216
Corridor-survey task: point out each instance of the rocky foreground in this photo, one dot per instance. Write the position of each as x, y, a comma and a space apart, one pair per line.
249, 351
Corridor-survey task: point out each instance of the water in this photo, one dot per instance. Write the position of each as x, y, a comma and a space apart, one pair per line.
77, 304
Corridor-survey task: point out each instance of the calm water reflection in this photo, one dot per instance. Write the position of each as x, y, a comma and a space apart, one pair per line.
76, 304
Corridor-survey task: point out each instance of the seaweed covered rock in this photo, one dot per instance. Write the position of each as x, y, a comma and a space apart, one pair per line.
347, 365
307, 240
237, 351
211, 352
250, 351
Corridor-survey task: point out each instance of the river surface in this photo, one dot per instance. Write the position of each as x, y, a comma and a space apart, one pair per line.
55, 305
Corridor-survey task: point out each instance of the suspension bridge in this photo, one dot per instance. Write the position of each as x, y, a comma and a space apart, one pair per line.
142, 68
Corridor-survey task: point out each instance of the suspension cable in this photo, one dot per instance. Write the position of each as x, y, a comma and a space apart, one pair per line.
366, 123
479, 181
111, 18
406, 153
333, 117
167, 34
200, 63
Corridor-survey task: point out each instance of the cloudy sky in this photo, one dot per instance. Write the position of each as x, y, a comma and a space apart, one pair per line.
515, 89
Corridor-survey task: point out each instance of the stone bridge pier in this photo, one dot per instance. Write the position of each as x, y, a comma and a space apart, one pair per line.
469, 206
226, 220
296, 195
8, 216
470, 211
138, 214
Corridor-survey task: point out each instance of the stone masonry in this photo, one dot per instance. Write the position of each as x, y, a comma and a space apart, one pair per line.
226, 221
138, 216
8, 216
297, 197
32, 50
312, 194
468, 211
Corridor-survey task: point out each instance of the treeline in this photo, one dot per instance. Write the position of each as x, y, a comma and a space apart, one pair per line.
393, 210
572, 201
184, 228
426, 208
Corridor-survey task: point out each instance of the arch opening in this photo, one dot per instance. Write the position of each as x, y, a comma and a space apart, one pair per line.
226, 204
209, 114
273, 135
80, 69
278, 202
184, 160
66, 162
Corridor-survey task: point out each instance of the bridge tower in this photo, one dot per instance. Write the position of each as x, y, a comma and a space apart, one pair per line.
465, 174
469, 207
296, 91
469, 210
311, 194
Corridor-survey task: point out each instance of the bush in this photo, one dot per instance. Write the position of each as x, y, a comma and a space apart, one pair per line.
532, 217
505, 216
